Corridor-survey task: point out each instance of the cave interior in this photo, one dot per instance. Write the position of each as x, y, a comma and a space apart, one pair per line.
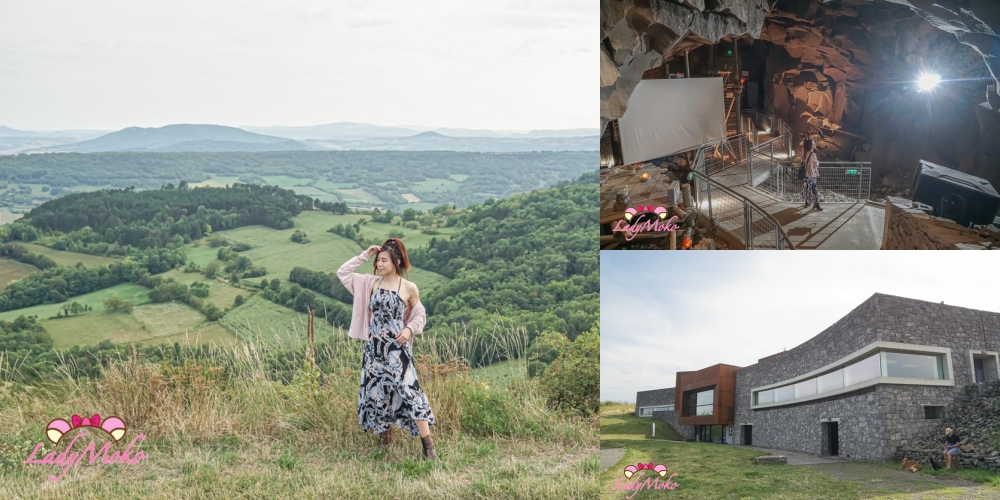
844, 73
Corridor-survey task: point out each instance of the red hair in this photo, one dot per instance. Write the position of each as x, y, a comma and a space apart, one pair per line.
397, 254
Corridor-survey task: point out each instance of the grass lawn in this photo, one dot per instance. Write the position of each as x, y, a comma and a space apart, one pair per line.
11, 270
126, 291
710, 471
64, 258
458, 177
261, 321
168, 322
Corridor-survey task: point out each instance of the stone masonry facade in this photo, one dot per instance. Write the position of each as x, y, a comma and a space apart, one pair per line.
873, 424
656, 397
660, 397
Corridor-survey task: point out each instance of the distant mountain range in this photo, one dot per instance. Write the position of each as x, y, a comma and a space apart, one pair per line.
348, 130
433, 141
338, 136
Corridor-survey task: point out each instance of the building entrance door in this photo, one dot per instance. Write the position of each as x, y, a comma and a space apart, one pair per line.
747, 435
831, 439
834, 439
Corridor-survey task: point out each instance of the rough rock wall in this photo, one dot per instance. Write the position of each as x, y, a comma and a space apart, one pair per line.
636, 36
976, 419
907, 228
843, 72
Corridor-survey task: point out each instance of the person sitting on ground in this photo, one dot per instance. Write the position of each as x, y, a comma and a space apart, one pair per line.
952, 446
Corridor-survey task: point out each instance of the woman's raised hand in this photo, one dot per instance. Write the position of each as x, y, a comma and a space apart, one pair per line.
374, 250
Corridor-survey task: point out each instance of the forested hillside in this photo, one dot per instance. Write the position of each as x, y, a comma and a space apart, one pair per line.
532, 258
385, 175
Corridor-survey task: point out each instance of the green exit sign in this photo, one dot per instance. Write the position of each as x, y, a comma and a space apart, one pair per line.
853, 172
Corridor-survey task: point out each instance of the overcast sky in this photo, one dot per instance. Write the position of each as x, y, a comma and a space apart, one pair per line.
518, 64
664, 312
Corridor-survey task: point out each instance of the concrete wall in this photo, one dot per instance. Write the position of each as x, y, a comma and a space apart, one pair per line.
875, 424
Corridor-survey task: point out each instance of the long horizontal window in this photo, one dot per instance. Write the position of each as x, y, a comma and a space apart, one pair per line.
647, 411
881, 364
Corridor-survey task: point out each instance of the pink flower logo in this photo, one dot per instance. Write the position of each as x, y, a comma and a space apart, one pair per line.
57, 428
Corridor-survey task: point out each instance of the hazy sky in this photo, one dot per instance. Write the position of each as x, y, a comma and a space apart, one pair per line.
664, 312
516, 64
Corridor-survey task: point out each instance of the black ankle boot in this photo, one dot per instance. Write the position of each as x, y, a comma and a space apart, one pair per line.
429, 452
385, 438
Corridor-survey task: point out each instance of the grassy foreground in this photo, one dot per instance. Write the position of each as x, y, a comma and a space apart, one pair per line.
221, 428
713, 471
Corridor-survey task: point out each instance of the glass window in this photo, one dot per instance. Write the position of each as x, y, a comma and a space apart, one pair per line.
765, 397
805, 388
785, 393
706, 397
906, 365
933, 412
704, 410
830, 382
863, 370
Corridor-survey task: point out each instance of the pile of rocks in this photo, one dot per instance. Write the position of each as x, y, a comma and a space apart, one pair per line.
976, 419
908, 227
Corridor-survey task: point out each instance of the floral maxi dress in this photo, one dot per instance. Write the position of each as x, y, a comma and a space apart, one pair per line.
389, 393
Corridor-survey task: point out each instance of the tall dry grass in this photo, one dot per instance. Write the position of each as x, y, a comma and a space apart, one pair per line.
231, 391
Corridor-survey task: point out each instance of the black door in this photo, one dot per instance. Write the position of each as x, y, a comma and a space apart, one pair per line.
748, 435
834, 439
980, 372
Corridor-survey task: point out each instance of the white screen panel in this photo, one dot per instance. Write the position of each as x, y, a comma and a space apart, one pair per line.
669, 116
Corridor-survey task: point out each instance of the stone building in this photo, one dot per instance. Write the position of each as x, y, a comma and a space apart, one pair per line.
875, 381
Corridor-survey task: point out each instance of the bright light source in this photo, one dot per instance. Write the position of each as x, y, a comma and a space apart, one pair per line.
927, 82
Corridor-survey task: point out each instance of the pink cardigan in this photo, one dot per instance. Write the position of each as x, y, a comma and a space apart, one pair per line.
360, 285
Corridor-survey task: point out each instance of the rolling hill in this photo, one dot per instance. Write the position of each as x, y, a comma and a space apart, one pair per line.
180, 138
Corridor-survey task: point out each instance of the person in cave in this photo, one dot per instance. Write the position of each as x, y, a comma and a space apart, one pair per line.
387, 313
811, 164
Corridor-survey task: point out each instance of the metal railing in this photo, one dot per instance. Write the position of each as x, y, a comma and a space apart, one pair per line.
838, 182
724, 153
733, 213
767, 123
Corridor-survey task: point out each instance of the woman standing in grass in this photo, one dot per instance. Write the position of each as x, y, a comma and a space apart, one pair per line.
387, 314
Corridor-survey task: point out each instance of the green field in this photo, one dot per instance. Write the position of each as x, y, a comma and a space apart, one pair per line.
458, 177
435, 186
263, 322
500, 374
64, 258
217, 181
201, 254
11, 270
326, 252
219, 293
126, 291
167, 322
